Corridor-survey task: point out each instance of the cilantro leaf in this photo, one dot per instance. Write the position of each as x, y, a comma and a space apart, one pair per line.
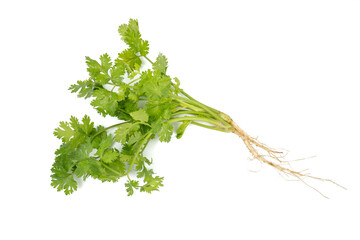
74, 130
113, 171
152, 184
105, 63
88, 167
140, 115
130, 34
64, 132
62, 180
122, 132
155, 85
84, 88
129, 58
106, 102
110, 156
105, 143
137, 136
130, 185
96, 71
166, 132
160, 64
117, 72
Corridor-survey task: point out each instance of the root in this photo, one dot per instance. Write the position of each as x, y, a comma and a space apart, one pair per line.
275, 158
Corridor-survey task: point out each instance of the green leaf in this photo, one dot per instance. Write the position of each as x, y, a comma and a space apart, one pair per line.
93, 65
87, 126
105, 63
62, 180
74, 130
152, 184
118, 168
105, 102
97, 71
64, 158
117, 72
105, 143
126, 158
64, 132
143, 171
121, 93
160, 64
155, 85
166, 132
130, 185
110, 156
94, 68
130, 34
84, 88
129, 57
140, 115
82, 152
88, 167
134, 138
132, 96
123, 132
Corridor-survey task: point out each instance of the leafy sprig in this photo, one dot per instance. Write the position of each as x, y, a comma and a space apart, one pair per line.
147, 103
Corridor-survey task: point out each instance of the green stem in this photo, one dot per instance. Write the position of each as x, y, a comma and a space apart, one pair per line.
134, 81
149, 60
105, 129
181, 112
200, 119
211, 111
111, 90
111, 169
128, 177
187, 105
191, 98
210, 127
138, 151
144, 145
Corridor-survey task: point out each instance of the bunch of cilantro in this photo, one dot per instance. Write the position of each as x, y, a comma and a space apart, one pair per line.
148, 103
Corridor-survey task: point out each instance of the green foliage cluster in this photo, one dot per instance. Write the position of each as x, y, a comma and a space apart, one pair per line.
146, 101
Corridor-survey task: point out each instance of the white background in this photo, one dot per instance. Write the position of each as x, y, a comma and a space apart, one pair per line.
285, 71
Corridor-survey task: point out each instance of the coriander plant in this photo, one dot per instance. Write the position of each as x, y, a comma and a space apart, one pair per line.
147, 102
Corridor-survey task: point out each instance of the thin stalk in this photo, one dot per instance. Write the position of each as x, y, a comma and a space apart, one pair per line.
188, 96
200, 119
210, 127
111, 90
149, 60
187, 105
134, 81
202, 106
181, 112
144, 146
113, 170
105, 129
138, 151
